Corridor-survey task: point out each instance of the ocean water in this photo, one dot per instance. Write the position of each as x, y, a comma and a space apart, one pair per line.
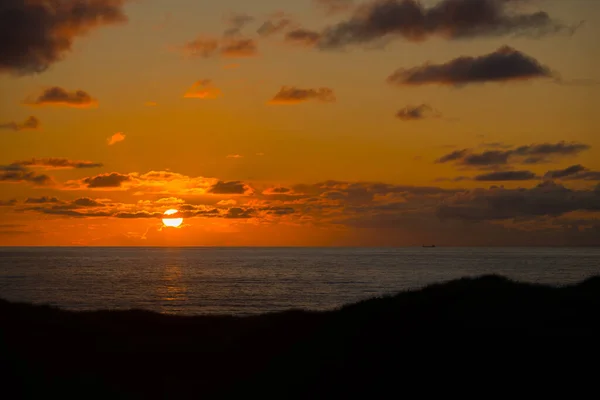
244, 281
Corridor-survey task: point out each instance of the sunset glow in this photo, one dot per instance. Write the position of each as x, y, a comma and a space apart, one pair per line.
172, 222
304, 123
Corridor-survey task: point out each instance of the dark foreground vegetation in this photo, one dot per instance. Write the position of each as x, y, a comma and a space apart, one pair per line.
471, 336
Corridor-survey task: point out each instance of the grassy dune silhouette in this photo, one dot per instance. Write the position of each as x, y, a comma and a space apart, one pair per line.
465, 330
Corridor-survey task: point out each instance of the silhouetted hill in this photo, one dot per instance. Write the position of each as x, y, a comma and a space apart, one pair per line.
450, 338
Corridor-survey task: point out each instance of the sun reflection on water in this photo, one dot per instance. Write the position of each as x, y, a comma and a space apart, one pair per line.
172, 293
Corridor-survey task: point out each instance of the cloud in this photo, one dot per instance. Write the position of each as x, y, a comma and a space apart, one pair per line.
235, 156
304, 37
116, 138
229, 47
30, 123
151, 104
239, 48
294, 95
504, 65
57, 163
236, 23
453, 156
416, 113
278, 191
138, 215
506, 176
20, 174
112, 180
499, 203
574, 172
411, 20
203, 89
201, 47
42, 200
8, 203
276, 23
57, 96
233, 187
332, 7
37, 34
87, 202
530, 154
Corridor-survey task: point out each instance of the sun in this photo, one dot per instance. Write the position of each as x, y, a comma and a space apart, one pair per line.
172, 222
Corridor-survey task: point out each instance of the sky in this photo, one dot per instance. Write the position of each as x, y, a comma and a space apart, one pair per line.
305, 123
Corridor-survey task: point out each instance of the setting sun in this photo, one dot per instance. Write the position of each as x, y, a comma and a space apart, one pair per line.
172, 222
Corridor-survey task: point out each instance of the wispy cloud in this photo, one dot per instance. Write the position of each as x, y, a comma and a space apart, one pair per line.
20, 174
56, 163
417, 113
536, 153
30, 123
333, 7
506, 176
229, 47
294, 95
57, 96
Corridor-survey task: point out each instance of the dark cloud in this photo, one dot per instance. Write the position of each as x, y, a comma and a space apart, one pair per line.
503, 65
236, 23
294, 95
233, 187
67, 212
239, 48
58, 163
487, 158
277, 190
499, 204
303, 37
574, 172
30, 123
8, 203
229, 47
452, 19
138, 215
112, 180
239, 213
42, 200
332, 7
506, 176
19, 174
562, 173
544, 149
86, 202
455, 155
416, 113
57, 96
278, 22
530, 154
36, 34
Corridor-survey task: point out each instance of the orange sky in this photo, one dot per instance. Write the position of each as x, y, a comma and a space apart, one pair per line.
321, 123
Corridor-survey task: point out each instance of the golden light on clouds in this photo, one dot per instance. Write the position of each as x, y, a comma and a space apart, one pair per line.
203, 89
116, 138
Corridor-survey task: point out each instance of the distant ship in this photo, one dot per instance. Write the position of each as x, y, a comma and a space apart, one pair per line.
433, 245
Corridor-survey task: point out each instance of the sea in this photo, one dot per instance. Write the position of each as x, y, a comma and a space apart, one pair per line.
245, 281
